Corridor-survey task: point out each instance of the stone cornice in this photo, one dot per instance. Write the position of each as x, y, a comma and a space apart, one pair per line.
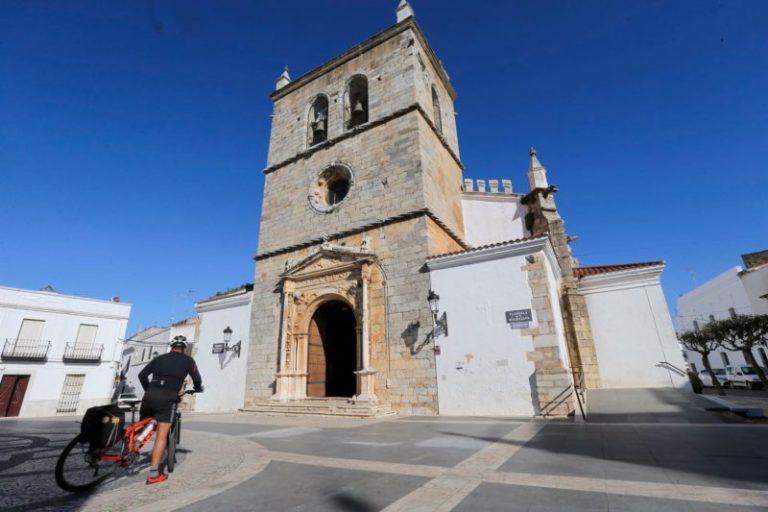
65, 311
623, 279
500, 197
363, 47
224, 301
365, 227
364, 128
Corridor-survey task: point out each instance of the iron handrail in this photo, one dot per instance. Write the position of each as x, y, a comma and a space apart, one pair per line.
579, 388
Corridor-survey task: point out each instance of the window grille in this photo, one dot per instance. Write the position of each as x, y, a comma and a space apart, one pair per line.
70, 393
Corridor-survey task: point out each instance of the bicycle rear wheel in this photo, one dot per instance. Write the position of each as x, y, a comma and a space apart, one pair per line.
77, 470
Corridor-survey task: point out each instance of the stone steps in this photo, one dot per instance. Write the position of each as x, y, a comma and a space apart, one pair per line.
321, 407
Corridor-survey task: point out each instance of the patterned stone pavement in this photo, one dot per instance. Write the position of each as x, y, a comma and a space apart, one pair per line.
424, 464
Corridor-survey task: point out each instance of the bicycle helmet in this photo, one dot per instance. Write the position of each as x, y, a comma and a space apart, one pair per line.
179, 341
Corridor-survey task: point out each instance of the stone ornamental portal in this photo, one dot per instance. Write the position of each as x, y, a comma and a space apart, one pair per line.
325, 339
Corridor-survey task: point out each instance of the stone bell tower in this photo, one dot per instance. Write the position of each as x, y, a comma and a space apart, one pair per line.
362, 184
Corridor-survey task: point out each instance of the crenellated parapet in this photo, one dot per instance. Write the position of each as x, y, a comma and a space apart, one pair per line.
492, 186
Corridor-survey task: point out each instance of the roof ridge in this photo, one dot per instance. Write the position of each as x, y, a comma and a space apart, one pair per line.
583, 271
487, 246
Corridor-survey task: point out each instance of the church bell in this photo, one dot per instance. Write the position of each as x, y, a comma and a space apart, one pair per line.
318, 126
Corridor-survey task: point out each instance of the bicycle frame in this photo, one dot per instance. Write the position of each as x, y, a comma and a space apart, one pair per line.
129, 437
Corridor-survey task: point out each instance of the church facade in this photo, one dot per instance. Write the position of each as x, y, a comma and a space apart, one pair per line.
364, 211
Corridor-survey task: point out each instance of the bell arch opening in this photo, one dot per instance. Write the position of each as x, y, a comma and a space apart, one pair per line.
332, 351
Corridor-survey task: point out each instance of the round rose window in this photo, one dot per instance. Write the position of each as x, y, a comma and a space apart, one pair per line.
330, 188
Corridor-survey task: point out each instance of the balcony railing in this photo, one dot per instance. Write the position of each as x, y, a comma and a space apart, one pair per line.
85, 353
25, 350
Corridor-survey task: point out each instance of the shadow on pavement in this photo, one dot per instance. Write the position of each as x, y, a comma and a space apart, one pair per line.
347, 502
679, 442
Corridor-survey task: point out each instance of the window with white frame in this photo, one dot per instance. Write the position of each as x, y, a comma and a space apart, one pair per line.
31, 330
724, 358
86, 335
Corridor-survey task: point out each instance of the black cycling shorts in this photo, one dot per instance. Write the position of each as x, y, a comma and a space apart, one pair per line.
160, 403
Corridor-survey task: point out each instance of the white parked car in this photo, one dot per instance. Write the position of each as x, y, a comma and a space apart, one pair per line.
706, 378
743, 377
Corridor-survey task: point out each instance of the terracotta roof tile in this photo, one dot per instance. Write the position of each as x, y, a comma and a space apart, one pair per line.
603, 269
489, 246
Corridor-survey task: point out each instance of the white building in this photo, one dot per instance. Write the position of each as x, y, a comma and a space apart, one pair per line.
506, 350
139, 349
635, 341
737, 291
61, 354
223, 371
484, 363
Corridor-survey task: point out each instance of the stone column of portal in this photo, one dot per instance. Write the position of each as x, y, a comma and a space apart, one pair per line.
300, 373
282, 377
365, 376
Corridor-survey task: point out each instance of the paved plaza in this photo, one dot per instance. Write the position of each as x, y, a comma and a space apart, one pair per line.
261, 463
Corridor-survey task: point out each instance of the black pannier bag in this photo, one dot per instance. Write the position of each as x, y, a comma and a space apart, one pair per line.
102, 426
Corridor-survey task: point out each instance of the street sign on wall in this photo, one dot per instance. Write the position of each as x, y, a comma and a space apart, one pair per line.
519, 318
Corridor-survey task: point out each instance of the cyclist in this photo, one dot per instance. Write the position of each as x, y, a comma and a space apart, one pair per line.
161, 395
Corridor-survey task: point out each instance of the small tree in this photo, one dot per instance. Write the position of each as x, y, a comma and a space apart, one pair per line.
743, 333
703, 343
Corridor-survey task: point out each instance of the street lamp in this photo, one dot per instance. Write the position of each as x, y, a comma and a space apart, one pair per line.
220, 348
440, 321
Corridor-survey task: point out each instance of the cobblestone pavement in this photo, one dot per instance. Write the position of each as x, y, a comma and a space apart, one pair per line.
256, 463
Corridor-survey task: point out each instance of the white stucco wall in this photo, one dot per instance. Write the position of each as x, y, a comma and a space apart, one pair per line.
755, 282
223, 374
492, 218
139, 350
63, 315
482, 368
712, 298
734, 288
632, 329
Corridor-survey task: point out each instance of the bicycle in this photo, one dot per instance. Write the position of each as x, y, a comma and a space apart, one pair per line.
81, 468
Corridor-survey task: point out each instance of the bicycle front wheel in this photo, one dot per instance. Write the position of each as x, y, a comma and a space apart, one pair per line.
78, 470
177, 429
171, 449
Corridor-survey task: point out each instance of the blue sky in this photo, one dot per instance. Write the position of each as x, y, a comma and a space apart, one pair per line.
133, 134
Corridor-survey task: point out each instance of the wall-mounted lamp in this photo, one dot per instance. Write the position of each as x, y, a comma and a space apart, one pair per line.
220, 348
441, 321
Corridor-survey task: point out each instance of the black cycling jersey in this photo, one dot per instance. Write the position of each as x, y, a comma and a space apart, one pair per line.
169, 371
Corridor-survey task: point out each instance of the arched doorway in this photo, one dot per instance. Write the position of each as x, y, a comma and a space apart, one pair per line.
332, 351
